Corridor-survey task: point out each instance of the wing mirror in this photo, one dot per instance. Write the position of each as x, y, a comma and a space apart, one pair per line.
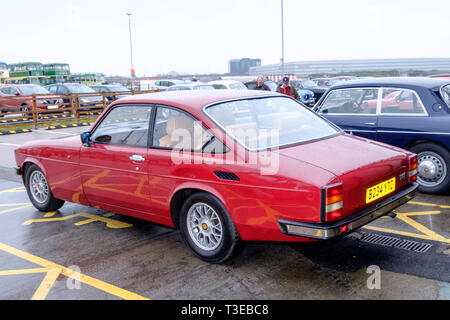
86, 138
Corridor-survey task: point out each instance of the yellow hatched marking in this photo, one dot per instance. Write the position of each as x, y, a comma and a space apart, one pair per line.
52, 269
46, 284
429, 204
110, 223
427, 234
15, 208
22, 271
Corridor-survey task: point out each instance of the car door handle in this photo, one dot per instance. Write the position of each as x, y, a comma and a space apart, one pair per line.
136, 157
370, 123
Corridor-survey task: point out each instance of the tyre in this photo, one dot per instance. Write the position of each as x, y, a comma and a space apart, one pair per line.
207, 228
39, 191
433, 170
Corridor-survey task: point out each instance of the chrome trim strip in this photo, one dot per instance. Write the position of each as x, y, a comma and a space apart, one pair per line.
413, 132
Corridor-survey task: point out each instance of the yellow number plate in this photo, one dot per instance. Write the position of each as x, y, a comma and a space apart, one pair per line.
380, 190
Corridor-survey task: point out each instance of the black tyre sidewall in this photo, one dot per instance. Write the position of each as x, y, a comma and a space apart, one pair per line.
445, 154
230, 237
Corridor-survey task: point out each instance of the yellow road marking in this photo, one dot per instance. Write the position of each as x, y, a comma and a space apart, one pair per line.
13, 204
48, 265
110, 223
19, 189
427, 234
46, 284
50, 214
22, 271
429, 204
14, 209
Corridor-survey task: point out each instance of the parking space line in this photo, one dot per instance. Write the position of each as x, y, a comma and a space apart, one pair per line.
10, 144
15, 208
48, 265
430, 204
46, 284
22, 271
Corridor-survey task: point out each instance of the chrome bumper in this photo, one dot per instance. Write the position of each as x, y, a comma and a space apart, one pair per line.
325, 231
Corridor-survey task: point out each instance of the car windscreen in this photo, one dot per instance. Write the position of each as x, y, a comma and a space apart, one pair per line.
445, 92
270, 122
28, 90
79, 88
309, 84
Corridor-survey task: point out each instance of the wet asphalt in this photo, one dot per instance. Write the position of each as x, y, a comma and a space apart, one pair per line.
121, 257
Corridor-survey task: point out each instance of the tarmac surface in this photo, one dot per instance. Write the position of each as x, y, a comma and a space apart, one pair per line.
80, 252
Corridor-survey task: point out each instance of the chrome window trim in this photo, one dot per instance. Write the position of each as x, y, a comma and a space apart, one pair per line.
425, 114
352, 114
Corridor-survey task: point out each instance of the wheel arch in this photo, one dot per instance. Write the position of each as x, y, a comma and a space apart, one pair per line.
27, 163
420, 141
183, 192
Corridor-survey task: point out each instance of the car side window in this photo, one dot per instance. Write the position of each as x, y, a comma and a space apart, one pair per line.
5, 90
400, 101
125, 125
175, 129
13, 90
351, 101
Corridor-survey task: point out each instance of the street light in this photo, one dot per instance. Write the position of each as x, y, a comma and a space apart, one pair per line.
282, 38
131, 46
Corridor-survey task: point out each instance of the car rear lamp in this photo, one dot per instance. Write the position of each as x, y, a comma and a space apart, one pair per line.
412, 170
334, 202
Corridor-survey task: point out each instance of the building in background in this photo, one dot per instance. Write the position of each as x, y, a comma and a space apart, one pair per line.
241, 67
333, 67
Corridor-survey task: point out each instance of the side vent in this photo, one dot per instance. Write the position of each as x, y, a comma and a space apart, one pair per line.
226, 175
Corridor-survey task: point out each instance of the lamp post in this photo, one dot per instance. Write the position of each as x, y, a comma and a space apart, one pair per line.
282, 38
131, 46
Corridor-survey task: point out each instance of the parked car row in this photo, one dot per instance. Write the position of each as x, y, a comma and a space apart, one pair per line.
54, 96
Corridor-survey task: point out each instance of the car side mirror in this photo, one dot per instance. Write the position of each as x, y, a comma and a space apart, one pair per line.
17, 94
86, 138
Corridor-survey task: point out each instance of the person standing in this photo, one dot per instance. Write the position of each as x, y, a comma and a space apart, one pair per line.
260, 85
286, 89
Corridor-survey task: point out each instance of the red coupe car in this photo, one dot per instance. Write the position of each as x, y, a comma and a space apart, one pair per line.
224, 167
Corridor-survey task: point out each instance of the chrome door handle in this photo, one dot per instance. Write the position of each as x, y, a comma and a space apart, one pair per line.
136, 157
370, 123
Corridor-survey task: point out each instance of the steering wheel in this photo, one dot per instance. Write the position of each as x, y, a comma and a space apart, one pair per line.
356, 106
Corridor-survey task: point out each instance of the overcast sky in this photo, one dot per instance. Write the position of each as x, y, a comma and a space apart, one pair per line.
200, 36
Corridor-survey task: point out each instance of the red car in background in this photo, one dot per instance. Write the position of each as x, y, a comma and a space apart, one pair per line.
224, 166
45, 100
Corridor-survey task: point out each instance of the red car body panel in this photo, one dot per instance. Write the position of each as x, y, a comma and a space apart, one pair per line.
17, 103
103, 175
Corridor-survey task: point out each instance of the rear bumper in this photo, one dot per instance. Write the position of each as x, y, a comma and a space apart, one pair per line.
325, 231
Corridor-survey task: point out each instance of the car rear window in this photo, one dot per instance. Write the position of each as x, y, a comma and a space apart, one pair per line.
265, 123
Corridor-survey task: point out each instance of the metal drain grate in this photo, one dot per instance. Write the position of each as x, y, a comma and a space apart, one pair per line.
395, 242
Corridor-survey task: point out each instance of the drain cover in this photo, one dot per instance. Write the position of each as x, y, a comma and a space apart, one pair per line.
395, 242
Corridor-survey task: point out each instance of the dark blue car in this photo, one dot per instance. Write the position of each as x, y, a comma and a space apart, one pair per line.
411, 113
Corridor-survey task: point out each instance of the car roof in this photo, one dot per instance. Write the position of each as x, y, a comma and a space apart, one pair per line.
194, 100
395, 81
224, 81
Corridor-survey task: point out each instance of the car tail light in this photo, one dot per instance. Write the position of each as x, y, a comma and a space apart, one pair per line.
333, 202
412, 169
